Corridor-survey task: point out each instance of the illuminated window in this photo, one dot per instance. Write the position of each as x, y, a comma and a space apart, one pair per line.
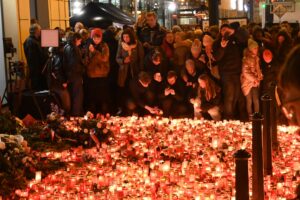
240, 5
233, 4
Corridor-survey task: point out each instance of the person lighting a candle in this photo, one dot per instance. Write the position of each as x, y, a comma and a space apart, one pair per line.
142, 99
208, 99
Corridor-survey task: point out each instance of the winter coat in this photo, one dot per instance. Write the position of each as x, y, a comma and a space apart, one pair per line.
35, 55
109, 39
152, 69
97, 64
229, 58
135, 66
205, 104
168, 49
73, 63
154, 36
55, 74
251, 72
181, 50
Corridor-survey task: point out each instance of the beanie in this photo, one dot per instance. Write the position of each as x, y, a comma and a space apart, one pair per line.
252, 44
196, 46
96, 32
176, 29
198, 32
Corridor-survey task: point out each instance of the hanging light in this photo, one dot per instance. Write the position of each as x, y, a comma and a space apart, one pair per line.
77, 4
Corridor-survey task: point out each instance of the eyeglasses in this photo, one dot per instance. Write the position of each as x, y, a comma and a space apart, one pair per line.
289, 109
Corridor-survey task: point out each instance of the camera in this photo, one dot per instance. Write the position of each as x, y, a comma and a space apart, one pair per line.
8, 46
17, 68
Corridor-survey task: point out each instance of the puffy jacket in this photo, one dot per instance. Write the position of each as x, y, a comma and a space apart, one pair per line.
251, 72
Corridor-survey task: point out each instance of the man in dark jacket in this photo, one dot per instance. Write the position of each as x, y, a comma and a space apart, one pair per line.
228, 54
151, 35
142, 98
174, 98
36, 58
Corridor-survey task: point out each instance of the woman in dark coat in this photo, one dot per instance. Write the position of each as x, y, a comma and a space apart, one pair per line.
74, 68
130, 57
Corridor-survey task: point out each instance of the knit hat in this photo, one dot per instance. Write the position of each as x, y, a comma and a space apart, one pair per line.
96, 32
176, 29
198, 32
196, 46
252, 44
207, 40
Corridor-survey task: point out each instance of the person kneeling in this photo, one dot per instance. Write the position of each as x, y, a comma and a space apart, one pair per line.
208, 99
142, 99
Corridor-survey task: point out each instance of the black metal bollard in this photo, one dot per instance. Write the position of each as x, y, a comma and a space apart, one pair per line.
273, 111
257, 166
267, 138
241, 175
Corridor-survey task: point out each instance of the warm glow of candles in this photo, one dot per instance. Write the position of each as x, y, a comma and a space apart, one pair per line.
159, 158
38, 176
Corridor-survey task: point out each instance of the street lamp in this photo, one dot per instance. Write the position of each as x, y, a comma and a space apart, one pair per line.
172, 7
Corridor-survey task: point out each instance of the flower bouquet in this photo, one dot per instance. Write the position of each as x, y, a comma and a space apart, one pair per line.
16, 163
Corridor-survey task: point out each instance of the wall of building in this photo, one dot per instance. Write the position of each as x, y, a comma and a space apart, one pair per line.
43, 14
292, 17
10, 19
58, 13
2, 61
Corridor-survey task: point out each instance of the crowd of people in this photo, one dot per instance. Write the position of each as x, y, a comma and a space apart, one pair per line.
218, 73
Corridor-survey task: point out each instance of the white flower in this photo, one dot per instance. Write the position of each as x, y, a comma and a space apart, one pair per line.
52, 116
16, 150
24, 160
2, 145
20, 138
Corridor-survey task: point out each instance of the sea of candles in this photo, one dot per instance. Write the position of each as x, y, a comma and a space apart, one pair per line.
159, 158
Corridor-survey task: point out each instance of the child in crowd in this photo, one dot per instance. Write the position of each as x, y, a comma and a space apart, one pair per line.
251, 77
